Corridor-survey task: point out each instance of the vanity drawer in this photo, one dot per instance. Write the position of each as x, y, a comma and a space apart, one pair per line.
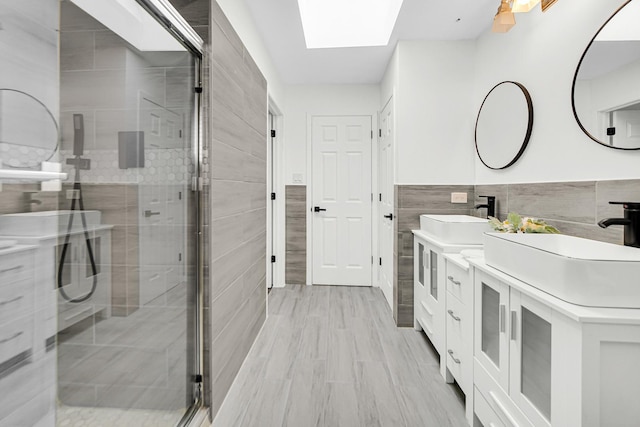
498, 399
483, 411
16, 299
458, 283
424, 315
17, 266
16, 337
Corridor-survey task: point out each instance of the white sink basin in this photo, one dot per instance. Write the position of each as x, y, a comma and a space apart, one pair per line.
45, 223
579, 271
455, 229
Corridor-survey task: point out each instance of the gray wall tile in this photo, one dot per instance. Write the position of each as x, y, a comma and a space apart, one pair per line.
567, 201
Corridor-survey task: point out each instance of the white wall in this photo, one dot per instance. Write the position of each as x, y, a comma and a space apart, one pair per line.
304, 101
433, 107
241, 19
542, 52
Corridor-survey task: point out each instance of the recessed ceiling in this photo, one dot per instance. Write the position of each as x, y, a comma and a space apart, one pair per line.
279, 24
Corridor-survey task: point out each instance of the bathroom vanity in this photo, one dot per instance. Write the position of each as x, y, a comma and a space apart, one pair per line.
443, 297
540, 361
46, 232
27, 352
516, 341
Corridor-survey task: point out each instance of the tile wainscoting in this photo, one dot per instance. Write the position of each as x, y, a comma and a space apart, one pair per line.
573, 207
296, 234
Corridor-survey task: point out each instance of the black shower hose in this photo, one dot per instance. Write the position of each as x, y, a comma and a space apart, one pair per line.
77, 187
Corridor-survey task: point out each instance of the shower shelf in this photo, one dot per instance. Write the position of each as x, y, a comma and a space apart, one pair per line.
31, 175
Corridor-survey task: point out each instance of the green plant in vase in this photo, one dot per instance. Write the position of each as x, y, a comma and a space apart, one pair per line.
517, 224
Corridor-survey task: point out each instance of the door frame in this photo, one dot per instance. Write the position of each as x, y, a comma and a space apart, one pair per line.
374, 190
275, 209
391, 175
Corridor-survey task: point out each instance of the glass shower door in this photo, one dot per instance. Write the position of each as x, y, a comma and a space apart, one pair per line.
127, 113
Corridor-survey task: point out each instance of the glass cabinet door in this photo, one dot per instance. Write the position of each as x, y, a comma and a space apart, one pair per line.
433, 274
491, 343
421, 263
531, 345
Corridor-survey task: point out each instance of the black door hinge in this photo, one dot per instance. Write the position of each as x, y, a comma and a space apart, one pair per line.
380, 261
198, 89
380, 133
273, 133
371, 134
379, 197
273, 258
273, 196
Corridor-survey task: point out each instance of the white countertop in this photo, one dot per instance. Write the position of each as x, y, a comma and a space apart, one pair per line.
458, 260
446, 247
576, 312
36, 239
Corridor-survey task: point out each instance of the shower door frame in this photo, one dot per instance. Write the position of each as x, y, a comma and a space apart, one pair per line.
174, 23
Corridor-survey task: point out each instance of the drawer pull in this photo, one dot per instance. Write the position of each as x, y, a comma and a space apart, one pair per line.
456, 318
455, 282
6, 270
453, 357
16, 335
11, 300
502, 408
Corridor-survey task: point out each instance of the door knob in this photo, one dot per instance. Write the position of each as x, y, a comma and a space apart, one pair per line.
318, 209
390, 216
148, 213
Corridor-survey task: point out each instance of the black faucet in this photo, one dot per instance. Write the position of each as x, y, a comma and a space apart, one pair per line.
631, 222
490, 205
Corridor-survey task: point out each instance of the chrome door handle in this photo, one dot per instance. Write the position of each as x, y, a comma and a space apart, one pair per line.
453, 357
149, 213
455, 282
456, 318
514, 320
503, 314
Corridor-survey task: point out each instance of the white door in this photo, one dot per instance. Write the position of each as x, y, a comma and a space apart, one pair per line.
385, 199
341, 187
627, 125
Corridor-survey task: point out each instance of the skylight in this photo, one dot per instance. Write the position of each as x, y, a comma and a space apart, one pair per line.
348, 23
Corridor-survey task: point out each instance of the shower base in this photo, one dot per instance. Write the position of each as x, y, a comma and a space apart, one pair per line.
75, 416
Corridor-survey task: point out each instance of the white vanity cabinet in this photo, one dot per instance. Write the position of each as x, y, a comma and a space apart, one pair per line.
540, 361
17, 307
430, 294
459, 326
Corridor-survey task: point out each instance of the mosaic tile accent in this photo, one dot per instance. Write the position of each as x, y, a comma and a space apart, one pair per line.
165, 166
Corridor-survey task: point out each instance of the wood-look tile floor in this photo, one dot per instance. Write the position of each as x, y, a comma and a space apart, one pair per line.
332, 356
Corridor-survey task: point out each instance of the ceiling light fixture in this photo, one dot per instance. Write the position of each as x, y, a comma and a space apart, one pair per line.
520, 6
504, 19
353, 23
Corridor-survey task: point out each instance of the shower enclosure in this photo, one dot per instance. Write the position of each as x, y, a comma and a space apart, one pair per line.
100, 289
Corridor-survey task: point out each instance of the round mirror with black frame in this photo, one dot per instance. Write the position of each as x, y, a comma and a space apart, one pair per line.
605, 95
504, 124
29, 132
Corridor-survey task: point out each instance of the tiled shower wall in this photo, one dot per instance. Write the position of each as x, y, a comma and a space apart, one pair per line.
573, 207
237, 152
296, 234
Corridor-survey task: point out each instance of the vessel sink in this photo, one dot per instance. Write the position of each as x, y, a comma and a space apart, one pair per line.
455, 229
45, 223
578, 271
